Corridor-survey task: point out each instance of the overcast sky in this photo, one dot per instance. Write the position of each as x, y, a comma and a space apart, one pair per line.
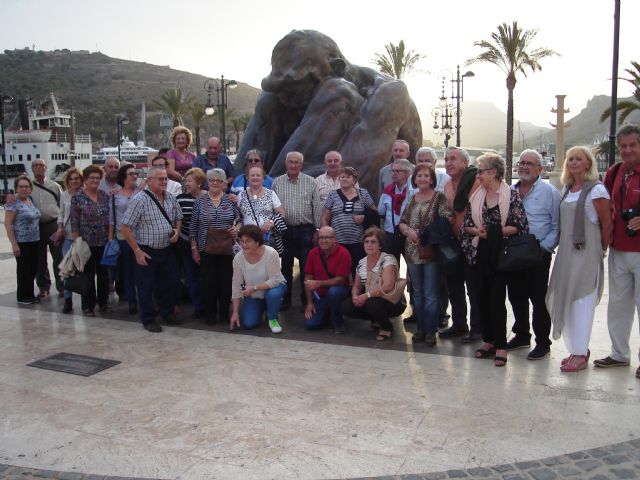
235, 38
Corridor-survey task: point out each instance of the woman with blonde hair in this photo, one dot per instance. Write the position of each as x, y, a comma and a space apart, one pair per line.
577, 279
180, 158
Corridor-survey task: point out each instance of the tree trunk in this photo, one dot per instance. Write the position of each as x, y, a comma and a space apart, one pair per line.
511, 85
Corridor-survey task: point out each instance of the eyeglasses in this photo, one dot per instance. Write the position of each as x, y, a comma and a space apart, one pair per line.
398, 171
94, 177
523, 163
482, 170
254, 160
216, 180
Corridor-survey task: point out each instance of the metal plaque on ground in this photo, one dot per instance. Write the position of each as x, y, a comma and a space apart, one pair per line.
74, 364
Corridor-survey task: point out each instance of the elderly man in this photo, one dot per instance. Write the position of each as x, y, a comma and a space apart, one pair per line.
151, 224
46, 197
463, 183
329, 180
173, 187
623, 182
542, 204
393, 201
109, 184
400, 150
302, 213
326, 282
429, 155
214, 159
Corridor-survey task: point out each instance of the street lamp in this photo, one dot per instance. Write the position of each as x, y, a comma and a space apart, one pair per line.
122, 120
459, 97
4, 99
221, 102
443, 116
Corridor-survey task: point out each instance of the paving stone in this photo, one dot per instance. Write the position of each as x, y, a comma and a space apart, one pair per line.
598, 452
527, 465
71, 476
600, 476
551, 461
615, 459
588, 465
578, 455
623, 473
543, 474
635, 443
481, 472
456, 473
412, 476
567, 470
94, 477
505, 467
514, 476
620, 447
436, 476
4, 468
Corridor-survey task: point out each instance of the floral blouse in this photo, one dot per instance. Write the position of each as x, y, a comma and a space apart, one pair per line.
26, 226
415, 217
90, 219
516, 218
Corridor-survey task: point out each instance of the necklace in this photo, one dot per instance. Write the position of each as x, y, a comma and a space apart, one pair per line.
255, 195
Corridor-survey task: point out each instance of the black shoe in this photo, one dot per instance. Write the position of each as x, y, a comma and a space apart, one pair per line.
418, 337
454, 331
68, 306
410, 319
338, 329
153, 326
539, 352
286, 304
171, 319
471, 337
211, 320
430, 339
133, 309
198, 313
515, 343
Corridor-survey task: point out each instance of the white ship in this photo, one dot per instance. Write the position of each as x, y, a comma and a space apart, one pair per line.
47, 134
139, 155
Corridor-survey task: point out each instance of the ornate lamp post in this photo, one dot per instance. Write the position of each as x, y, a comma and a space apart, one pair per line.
4, 99
459, 98
442, 117
122, 120
221, 102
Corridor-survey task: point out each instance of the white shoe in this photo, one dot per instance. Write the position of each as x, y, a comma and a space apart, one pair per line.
275, 326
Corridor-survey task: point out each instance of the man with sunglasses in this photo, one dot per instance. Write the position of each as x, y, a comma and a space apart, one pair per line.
542, 204
253, 158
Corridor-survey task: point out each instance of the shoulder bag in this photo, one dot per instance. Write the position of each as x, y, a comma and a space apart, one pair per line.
112, 247
374, 280
219, 240
519, 252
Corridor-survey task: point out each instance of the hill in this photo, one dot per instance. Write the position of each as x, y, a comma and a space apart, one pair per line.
99, 87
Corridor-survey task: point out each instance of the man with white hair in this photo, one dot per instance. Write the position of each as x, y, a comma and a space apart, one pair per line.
429, 155
542, 204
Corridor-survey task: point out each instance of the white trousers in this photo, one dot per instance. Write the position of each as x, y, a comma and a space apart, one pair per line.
577, 327
624, 295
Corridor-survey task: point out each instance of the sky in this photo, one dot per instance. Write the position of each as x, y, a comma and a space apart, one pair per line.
235, 39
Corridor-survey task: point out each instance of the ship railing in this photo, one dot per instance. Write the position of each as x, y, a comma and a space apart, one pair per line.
63, 137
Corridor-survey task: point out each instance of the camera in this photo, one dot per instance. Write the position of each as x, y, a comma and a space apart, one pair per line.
627, 214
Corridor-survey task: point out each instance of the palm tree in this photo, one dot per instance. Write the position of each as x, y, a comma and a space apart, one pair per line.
397, 62
173, 103
197, 114
509, 51
627, 106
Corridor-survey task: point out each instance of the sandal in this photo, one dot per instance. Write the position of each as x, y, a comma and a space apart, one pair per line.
499, 361
575, 363
381, 337
485, 352
88, 313
565, 360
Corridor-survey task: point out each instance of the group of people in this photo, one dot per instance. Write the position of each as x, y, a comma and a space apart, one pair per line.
236, 237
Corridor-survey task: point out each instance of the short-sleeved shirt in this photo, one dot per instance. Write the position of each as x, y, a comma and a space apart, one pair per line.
90, 219
182, 164
338, 263
347, 230
222, 162
385, 260
149, 226
263, 207
121, 203
26, 224
239, 185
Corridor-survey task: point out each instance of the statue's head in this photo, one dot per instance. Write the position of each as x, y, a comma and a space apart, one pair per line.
299, 62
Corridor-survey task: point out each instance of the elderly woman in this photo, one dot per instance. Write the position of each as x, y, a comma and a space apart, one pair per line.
216, 211
180, 158
577, 278
424, 208
193, 180
429, 155
368, 303
254, 158
72, 182
344, 212
21, 221
258, 204
258, 280
90, 220
127, 178
495, 211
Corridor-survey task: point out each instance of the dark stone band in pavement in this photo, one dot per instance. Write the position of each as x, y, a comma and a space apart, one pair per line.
618, 461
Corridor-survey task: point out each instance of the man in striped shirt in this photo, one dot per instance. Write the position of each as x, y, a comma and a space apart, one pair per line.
301, 202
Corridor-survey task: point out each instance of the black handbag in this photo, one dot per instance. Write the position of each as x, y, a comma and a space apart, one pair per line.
79, 283
519, 252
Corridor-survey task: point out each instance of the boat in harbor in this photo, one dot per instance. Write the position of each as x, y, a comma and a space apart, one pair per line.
139, 155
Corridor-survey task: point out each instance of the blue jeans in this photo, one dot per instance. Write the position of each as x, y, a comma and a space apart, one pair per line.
192, 273
252, 308
159, 276
424, 285
126, 264
66, 246
328, 306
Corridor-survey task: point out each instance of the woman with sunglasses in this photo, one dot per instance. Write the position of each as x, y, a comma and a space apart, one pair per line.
344, 212
241, 182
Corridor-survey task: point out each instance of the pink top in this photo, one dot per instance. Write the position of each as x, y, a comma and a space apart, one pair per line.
182, 164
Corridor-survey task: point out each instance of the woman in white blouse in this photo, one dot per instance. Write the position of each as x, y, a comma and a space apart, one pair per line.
577, 278
257, 280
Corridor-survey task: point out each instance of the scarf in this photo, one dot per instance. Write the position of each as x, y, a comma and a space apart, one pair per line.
397, 199
477, 201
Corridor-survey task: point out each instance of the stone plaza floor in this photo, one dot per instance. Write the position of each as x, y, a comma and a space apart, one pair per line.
199, 402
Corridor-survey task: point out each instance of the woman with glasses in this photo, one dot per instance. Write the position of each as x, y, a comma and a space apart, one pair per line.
241, 182
21, 221
72, 183
344, 212
495, 211
90, 220
127, 178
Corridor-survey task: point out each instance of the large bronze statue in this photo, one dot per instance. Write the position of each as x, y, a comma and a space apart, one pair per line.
314, 101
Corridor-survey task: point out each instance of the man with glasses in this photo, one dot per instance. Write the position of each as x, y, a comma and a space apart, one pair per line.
253, 158
150, 225
542, 204
109, 183
399, 151
302, 214
326, 282
173, 187
214, 159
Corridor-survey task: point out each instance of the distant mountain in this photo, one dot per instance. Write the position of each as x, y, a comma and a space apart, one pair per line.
99, 87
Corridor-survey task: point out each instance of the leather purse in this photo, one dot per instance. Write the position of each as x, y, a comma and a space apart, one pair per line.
519, 252
219, 242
